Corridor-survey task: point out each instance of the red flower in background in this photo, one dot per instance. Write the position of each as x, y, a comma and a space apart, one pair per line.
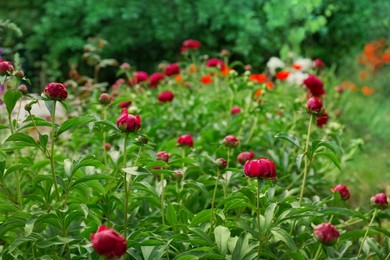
190, 44
318, 63
380, 200
125, 104
185, 140
282, 75
231, 141
155, 79
326, 233
314, 85
164, 156
172, 69
207, 79
108, 242
314, 105
245, 156
322, 119
343, 190
166, 96
235, 110
6, 67
214, 62
259, 78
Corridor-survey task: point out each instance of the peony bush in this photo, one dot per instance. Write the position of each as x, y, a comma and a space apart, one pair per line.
226, 163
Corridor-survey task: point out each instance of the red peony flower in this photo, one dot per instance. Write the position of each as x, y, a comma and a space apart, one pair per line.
282, 75
214, 62
164, 156
166, 96
6, 68
207, 79
318, 63
342, 190
191, 44
260, 168
155, 79
314, 85
380, 200
139, 76
221, 163
235, 110
231, 141
55, 91
314, 105
259, 78
124, 104
322, 119
245, 156
326, 233
108, 242
172, 69
185, 140
105, 99
127, 122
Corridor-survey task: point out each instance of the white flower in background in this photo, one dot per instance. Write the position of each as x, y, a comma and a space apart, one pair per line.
305, 64
297, 77
273, 64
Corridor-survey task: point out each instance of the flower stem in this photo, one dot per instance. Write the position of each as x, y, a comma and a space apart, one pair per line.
259, 185
366, 233
104, 137
307, 161
225, 188
125, 186
162, 199
213, 201
318, 253
53, 137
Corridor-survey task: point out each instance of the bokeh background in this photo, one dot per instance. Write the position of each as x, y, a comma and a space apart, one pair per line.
49, 35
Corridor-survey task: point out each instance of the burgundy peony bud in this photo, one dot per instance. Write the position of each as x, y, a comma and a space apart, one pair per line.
380, 200
322, 120
221, 163
6, 68
260, 168
342, 190
235, 110
326, 233
245, 156
172, 69
339, 89
191, 44
56, 91
155, 79
107, 146
164, 156
124, 104
318, 63
127, 122
166, 96
214, 62
185, 140
23, 88
314, 105
231, 141
108, 242
105, 99
314, 85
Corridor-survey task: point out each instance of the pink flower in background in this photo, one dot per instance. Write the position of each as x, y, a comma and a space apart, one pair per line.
108, 242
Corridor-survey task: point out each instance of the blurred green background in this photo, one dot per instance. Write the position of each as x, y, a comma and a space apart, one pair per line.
49, 36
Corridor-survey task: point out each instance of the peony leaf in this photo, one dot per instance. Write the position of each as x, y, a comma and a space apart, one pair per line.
74, 122
292, 139
10, 99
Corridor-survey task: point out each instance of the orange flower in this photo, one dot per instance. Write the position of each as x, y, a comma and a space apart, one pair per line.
207, 79
367, 91
282, 75
192, 68
386, 57
297, 66
270, 85
258, 93
178, 79
348, 85
259, 78
225, 71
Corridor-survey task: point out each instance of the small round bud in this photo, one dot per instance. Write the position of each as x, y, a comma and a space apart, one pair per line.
231, 141
105, 99
23, 88
19, 74
221, 163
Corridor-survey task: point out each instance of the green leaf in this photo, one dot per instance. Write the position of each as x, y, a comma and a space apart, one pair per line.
49, 105
91, 178
222, 235
330, 156
10, 99
29, 227
288, 137
269, 215
242, 246
86, 160
43, 140
202, 217
74, 122
106, 124
299, 160
330, 145
52, 241
282, 235
203, 238
171, 215
23, 139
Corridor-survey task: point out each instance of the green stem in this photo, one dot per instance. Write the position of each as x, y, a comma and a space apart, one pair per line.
125, 186
53, 132
213, 201
104, 137
318, 253
366, 233
346, 224
259, 184
162, 199
225, 188
307, 161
